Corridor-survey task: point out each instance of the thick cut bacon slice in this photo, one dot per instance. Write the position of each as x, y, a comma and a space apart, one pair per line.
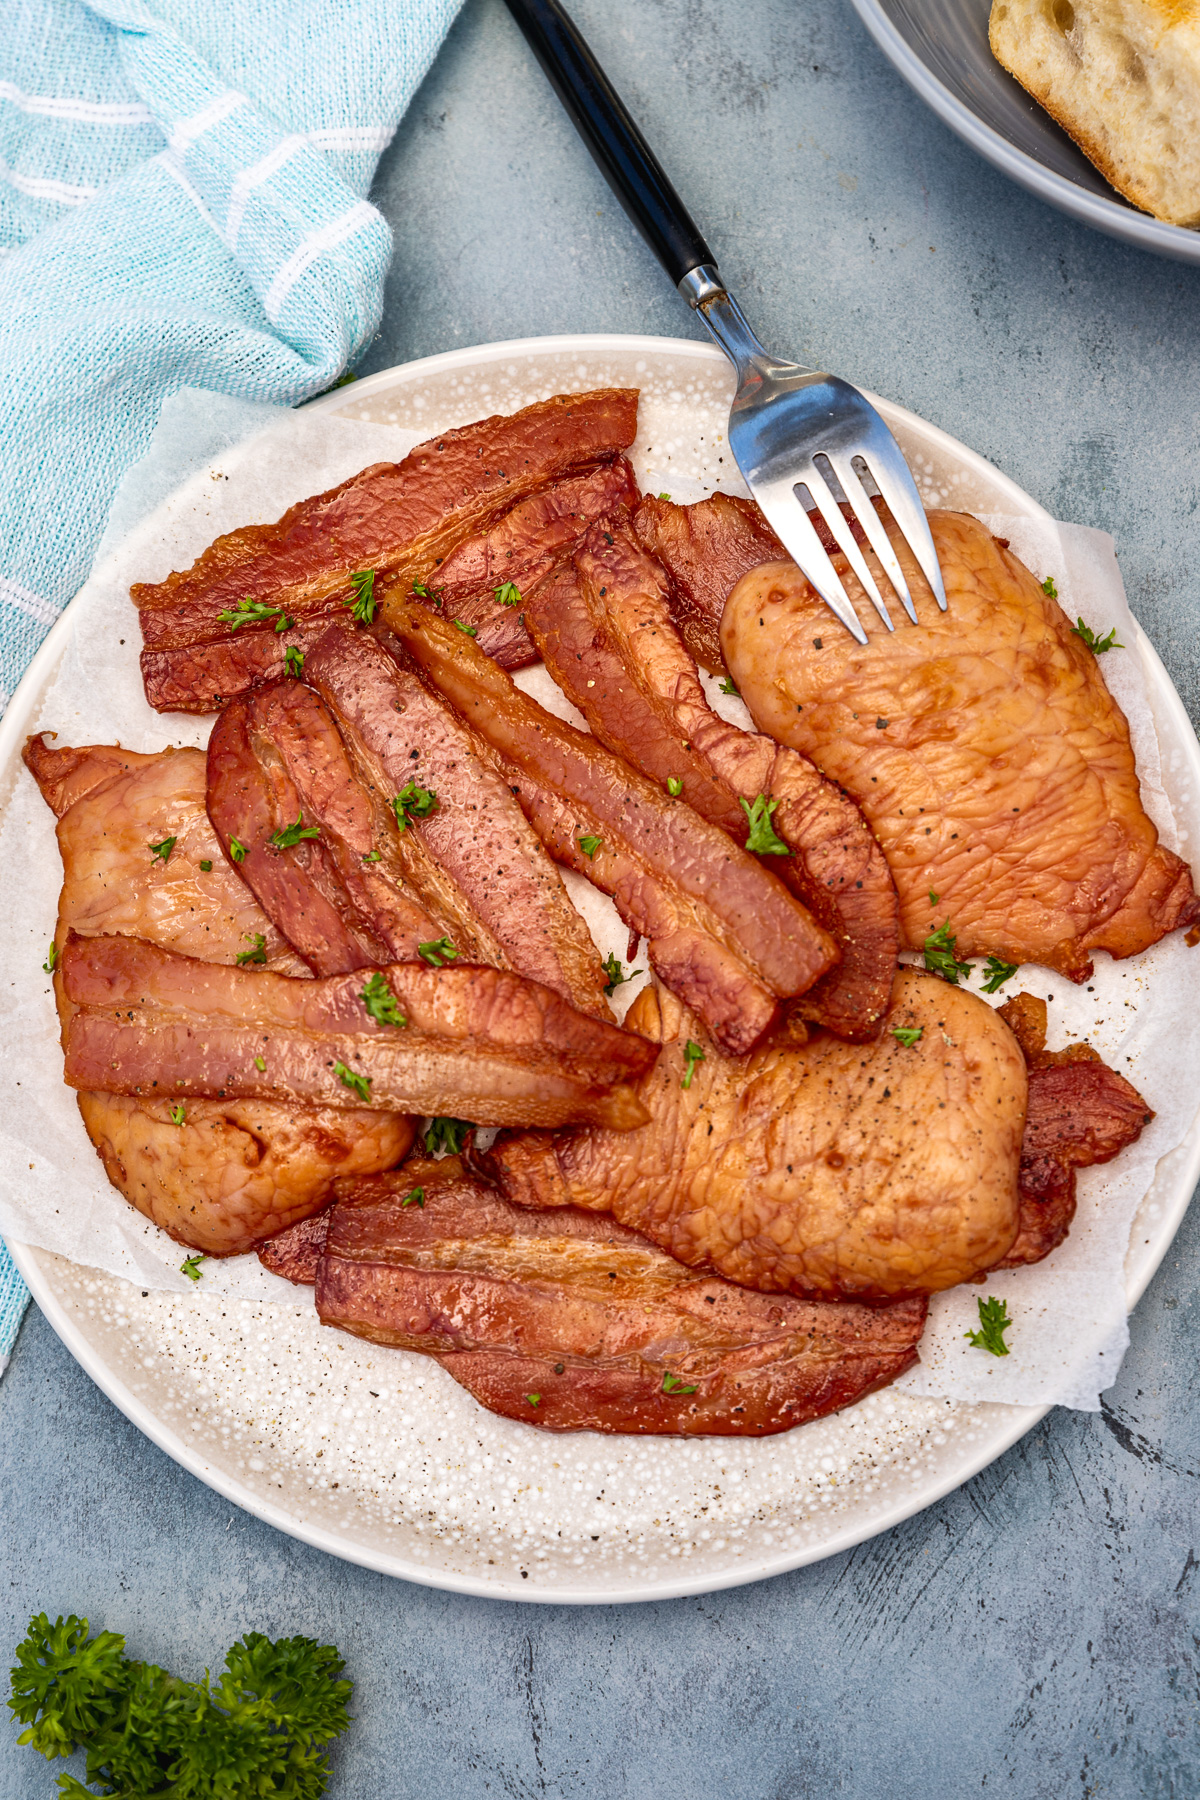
234, 1171
984, 748
483, 863
479, 1044
1080, 1112
518, 551
834, 1170
398, 519
344, 897
570, 1322
706, 549
606, 633
722, 931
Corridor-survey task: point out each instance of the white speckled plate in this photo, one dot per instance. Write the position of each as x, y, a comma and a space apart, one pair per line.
376, 1455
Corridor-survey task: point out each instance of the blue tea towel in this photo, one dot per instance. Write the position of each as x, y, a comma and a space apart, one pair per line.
182, 204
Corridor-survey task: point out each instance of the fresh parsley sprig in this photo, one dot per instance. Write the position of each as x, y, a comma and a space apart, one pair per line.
190, 1266
362, 607
413, 802
262, 1728
763, 839
358, 1084
508, 594
288, 836
258, 952
693, 1053
615, 970
437, 953
293, 661
940, 958
1097, 645
162, 852
255, 612
446, 1136
993, 1323
380, 1001
997, 973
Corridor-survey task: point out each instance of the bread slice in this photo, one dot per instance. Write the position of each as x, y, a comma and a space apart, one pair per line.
1123, 77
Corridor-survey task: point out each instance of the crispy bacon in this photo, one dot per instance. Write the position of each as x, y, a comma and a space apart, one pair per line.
570, 1322
607, 636
518, 551
1080, 1112
275, 759
722, 930
397, 519
484, 863
479, 1044
706, 549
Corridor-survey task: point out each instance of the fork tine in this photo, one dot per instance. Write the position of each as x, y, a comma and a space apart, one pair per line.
843, 536
895, 483
795, 531
872, 524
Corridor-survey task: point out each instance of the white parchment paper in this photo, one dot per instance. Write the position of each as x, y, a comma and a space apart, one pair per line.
203, 475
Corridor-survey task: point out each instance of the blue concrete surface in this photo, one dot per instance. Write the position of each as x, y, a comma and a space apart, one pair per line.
1035, 1635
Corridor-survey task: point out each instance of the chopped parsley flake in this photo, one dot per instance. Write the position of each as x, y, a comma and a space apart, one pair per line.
762, 839
534, 1399
448, 1135
362, 607
1097, 645
293, 661
467, 630
206, 867
414, 1197
255, 612
358, 1084
940, 958
674, 786
179, 1115
413, 802
727, 687
674, 1384
616, 972
589, 846
692, 1054
381, 1003
997, 973
260, 1064
437, 952
373, 856
1049, 589
908, 1035
993, 1323
52, 958
190, 1266
290, 835
256, 955
508, 594
164, 849
237, 850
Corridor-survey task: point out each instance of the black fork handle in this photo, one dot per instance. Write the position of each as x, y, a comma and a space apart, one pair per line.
624, 158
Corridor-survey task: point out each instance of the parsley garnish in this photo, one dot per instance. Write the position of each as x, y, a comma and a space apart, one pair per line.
439, 951
425, 593
260, 1063
616, 972
534, 1399
254, 612
258, 954
414, 1197
468, 630
290, 835
358, 1084
373, 856
260, 1728
205, 866
727, 687
413, 802
664, 496
179, 1115
508, 594
997, 973
940, 958
237, 850
674, 1384
362, 607
762, 839
381, 1003
933, 898
446, 1134
1097, 645
589, 846
674, 786
908, 1035
293, 661
164, 849
993, 1323
692, 1054
1049, 589
190, 1266
52, 958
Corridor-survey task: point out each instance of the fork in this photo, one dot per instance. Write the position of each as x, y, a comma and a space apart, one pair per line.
805, 442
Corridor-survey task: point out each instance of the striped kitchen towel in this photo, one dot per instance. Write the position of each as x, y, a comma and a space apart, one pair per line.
182, 204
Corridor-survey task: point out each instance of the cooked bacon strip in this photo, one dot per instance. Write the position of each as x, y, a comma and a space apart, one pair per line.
295, 1253
520, 550
587, 1317
706, 549
482, 860
276, 756
233, 1171
1080, 1112
722, 931
398, 519
479, 1044
607, 636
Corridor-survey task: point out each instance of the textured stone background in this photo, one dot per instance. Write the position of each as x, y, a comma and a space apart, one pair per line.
1034, 1635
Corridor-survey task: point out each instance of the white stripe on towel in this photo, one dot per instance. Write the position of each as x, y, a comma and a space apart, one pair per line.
26, 601
309, 249
253, 177
85, 112
353, 137
188, 130
43, 187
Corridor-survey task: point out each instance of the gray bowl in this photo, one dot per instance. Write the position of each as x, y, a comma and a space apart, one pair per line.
941, 49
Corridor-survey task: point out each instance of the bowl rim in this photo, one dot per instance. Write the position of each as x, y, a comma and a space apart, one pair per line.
1113, 217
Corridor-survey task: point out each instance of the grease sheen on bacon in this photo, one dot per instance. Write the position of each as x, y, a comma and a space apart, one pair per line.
398, 519
479, 1043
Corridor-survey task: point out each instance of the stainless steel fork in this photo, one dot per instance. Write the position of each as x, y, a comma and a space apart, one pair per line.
805, 443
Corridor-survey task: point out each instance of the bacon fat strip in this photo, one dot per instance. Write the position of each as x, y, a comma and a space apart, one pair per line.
722, 931
519, 550
476, 836
607, 636
396, 519
479, 1044
571, 1322
344, 899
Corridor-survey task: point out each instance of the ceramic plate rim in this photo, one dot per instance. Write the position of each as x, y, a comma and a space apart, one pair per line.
1113, 217
36, 1266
